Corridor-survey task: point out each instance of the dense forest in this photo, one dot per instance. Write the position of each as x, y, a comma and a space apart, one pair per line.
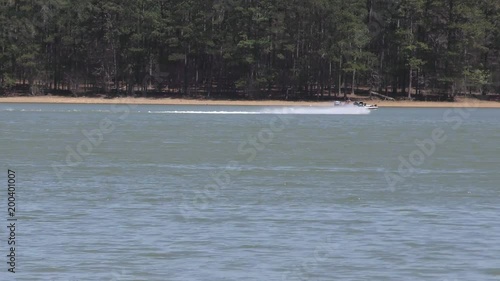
285, 49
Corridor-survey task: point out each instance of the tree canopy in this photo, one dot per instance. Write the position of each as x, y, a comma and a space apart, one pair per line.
250, 48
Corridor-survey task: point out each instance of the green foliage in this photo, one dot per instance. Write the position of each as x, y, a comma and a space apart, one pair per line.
7, 81
477, 78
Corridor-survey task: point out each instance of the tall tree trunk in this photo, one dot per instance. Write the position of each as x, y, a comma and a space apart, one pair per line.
353, 81
340, 76
115, 69
417, 90
330, 81
409, 83
185, 84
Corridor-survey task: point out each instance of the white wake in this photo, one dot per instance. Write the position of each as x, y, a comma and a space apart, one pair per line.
336, 110
296, 110
204, 112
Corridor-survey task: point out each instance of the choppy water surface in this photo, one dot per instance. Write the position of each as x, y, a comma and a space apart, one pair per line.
248, 193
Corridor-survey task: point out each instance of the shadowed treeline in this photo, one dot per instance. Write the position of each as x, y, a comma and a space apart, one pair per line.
262, 49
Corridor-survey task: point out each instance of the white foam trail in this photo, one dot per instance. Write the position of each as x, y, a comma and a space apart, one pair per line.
297, 110
204, 112
338, 110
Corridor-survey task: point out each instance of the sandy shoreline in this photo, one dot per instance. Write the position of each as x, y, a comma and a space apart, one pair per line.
84, 100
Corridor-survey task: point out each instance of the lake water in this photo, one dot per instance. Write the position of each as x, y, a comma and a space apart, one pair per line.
251, 193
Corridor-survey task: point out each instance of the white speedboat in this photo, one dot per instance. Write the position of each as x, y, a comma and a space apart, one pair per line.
365, 105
